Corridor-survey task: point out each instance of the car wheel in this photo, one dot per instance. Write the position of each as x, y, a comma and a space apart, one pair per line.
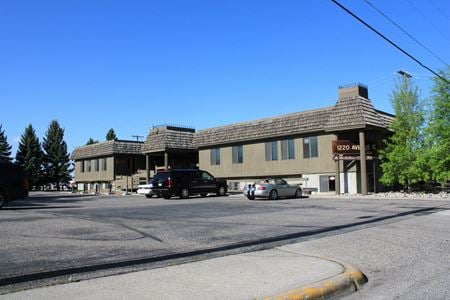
298, 193
3, 199
184, 193
203, 195
273, 195
166, 196
221, 191
148, 195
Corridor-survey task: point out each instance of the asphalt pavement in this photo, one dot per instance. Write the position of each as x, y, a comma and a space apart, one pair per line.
279, 273
387, 239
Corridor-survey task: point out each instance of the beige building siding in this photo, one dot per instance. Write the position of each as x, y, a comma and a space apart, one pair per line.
255, 164
93, 175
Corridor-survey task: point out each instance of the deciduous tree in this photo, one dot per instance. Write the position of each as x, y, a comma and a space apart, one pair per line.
400, 164
438, 131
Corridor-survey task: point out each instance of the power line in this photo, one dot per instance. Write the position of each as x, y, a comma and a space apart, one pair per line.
428, 20
388, 40
440, 10
405, 32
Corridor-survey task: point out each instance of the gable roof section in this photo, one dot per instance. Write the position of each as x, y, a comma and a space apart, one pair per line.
106, 149
301, 122
169, 138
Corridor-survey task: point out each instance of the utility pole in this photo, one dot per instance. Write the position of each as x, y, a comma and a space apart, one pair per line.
404, 74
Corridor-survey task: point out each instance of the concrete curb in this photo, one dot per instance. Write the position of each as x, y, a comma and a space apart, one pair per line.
349, 281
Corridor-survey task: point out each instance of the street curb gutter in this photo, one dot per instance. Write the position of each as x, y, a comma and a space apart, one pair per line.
350, 280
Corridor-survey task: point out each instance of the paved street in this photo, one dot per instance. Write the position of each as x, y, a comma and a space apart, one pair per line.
52, 235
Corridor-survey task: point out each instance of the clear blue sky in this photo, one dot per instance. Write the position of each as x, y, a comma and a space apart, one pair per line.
128, 65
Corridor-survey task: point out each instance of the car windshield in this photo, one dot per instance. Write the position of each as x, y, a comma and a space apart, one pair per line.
280, 181
266, 181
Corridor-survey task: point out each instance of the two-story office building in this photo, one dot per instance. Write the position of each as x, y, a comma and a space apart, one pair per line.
332, 149
108, 166
299, 146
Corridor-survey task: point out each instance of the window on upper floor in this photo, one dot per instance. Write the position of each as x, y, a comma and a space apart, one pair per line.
82, 166
271, 150
104, 164
215, 156
310, 147
88, 165
96, 165
287, 149
238, 154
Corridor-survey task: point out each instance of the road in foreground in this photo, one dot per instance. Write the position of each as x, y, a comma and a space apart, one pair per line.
408, 259
57, 235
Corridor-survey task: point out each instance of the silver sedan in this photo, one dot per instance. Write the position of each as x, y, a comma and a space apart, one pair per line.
272, 189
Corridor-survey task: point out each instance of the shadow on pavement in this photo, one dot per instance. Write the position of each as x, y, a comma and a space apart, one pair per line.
261, 244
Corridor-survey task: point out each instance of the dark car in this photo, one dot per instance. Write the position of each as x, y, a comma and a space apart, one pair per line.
13, 183
186, 182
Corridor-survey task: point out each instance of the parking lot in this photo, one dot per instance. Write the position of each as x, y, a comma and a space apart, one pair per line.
52, 235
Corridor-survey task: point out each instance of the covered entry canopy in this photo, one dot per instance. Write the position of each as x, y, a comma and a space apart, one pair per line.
170, 146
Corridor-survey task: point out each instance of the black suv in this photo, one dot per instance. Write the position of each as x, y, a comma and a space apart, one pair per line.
186, 182
13, 183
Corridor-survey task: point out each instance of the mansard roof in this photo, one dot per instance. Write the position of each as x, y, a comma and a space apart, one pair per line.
352, 111
349, 113
356, 113
107, 148
285, 125
169, 138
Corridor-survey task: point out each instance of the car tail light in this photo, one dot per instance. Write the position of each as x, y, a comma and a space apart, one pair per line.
261, 188
169, 182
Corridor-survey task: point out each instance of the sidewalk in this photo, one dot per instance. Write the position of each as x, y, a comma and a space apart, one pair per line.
280, 273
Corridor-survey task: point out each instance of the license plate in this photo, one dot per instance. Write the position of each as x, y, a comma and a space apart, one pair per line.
159, 184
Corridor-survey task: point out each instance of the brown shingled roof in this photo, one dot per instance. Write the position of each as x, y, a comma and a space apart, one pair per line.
348, 113
107, 148
356, 112
169, 138
301, 122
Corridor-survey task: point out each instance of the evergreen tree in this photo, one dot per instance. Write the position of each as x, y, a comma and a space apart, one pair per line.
400, 162
5, 148
29, 156
439, 130
111, 135
56, 158
91, 141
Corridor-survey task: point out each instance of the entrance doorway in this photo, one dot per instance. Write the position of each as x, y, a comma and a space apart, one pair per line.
327, 183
